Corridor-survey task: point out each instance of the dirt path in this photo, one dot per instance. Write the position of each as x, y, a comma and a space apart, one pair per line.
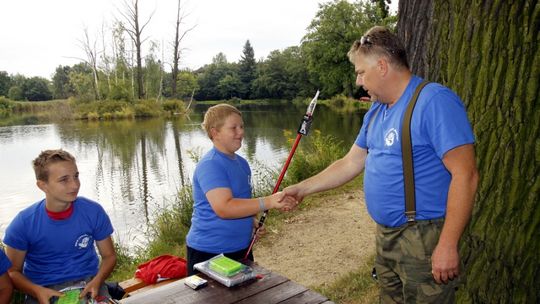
318, 245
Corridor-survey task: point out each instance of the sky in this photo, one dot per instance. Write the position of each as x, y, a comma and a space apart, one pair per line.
37, 36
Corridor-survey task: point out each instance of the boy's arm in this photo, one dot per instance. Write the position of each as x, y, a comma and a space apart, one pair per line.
108, 261
6, 289
21, 282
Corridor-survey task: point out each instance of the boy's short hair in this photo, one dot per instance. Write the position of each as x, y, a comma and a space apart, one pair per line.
215, 117
378, 40
47, 157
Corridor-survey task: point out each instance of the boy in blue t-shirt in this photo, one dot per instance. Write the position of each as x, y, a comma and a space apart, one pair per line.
223, 210
6, 287
51, 243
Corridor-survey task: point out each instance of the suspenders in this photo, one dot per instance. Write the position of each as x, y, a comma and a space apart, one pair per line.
406, 153
407, 157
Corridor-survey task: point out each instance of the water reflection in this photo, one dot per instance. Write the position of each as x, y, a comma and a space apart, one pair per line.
135, 168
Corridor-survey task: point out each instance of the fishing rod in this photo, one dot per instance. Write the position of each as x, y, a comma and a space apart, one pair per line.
305, 124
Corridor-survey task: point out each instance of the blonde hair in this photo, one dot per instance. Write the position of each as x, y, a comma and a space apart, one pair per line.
379, 41
216, 115
47, 157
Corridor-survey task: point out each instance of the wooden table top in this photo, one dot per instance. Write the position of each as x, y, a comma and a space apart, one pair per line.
271, 288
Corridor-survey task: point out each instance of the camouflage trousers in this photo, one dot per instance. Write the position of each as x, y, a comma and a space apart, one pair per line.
403, 264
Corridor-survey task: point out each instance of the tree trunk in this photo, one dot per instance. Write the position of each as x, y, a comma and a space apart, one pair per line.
488, 52
138, 46
134, 29
178, 37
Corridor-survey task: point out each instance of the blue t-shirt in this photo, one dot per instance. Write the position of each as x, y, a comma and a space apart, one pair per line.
439, 124
209, 232
59, 250
5, 263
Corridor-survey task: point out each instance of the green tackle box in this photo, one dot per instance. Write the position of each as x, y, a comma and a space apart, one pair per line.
225, 266
70, 297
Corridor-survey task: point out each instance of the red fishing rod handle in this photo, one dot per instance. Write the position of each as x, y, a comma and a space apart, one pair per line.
303, 129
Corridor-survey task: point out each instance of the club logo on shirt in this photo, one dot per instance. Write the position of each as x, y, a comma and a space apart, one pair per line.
83, 241
390, 137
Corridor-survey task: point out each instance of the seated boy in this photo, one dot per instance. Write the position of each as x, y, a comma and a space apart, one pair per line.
6, 288
51, 243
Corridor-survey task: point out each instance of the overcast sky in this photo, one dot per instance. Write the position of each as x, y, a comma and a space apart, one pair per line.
36, 36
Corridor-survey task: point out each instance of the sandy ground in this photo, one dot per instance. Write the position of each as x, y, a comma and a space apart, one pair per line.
318, 245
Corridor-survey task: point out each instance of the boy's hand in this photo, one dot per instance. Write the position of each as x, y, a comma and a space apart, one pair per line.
44, 295
91, 289
261, 231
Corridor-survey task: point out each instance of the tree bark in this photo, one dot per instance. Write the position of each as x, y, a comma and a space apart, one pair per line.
488, 52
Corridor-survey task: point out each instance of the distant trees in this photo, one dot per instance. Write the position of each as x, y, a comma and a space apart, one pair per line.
247, 69
21, 88
62, 87
5, 83
36, 89
330, 35
115, 68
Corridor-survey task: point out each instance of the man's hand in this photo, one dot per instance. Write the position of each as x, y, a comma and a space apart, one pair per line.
445, 263
282, 201
295, 191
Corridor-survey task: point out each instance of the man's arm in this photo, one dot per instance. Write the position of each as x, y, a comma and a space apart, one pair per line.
338, 173
21, 282
461, 164
108, 261
6, 289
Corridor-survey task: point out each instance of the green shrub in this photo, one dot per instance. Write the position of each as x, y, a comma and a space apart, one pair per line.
342, 103
109, 106
173, 106
6, 106
126, 112
314, 155
168, 233
92, 116
147, 108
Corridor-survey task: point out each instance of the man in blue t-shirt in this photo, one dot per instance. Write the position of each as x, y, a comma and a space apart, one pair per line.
6, 287
51, 243
416, 261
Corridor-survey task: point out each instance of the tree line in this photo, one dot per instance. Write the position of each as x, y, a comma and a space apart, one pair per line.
119, 71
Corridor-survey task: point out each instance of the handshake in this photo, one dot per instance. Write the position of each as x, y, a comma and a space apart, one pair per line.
285, 200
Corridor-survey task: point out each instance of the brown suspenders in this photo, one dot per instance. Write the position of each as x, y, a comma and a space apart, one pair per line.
406, 153
407, 156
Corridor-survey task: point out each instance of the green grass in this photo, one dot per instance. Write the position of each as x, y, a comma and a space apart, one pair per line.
167, 236
357, 287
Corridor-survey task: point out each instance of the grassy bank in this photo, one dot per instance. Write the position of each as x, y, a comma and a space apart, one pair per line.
58, 110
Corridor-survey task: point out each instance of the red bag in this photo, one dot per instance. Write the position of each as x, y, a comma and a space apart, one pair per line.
161, 268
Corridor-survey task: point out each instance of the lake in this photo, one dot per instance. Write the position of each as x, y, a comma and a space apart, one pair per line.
135, 168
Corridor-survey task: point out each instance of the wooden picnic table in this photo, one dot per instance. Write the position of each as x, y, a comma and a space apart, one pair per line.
271, 288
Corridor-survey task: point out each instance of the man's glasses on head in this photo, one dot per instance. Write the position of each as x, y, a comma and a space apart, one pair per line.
365, 40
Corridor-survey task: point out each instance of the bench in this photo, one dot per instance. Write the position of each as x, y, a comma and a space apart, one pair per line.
135, 285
